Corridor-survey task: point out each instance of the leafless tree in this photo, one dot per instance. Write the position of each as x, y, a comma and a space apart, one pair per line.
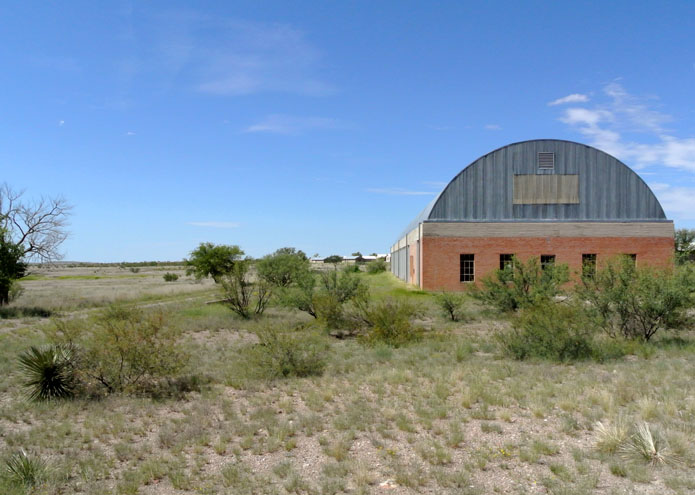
38, 227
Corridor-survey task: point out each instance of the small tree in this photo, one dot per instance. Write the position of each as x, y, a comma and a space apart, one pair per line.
210, 260
452, 304
243, 296
684, 242
635, 302
334, 259
11, 266
29, 231
521, 284
284, 267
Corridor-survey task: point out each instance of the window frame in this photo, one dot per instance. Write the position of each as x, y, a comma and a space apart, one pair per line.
548, 262
466, 268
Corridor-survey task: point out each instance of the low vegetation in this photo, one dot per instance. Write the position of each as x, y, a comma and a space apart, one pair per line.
520, 391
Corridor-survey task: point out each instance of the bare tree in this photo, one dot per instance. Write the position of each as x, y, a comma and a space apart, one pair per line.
37, 227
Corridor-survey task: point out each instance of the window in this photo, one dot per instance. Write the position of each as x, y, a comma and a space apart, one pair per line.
467, 267
547, 260
546, 160
632, 257
588, 265
506, 261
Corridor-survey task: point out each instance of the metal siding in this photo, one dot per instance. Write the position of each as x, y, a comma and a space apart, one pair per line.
608, 190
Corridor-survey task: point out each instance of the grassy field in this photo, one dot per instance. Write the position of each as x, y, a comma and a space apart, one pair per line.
448, 414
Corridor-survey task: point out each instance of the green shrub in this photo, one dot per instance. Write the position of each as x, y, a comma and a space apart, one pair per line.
635, 302
241, 295
284, 267
170, 277
24, 469
134, 269
452, 304
48, 372
351, 268
522, 285
326, 299
389, 321
122, 349
281, 354
553, 331
24, 312
376, 266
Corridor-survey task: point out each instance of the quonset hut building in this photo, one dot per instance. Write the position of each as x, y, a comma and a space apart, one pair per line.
560, 201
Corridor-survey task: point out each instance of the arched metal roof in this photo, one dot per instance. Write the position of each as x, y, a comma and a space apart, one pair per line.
608, 190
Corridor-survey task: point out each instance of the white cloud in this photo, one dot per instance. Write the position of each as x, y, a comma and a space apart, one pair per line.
130, 133
61, 123
216, 225
678, 202
629, 128
493, 127
395, 191
573, 98
288, 124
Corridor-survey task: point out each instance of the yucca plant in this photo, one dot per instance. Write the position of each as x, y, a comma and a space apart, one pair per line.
25, 469
649, 446
48, 371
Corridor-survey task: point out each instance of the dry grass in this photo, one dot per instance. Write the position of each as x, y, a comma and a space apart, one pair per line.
445, 415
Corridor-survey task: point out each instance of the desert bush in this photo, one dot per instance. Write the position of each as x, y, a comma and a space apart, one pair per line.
122, 349
281, 354
452, 305
24, 312
15, 291
389, 321
134, 269
48, 372
170, 277
554, 331
522, 284
351, 268
376, 266
211, 260
284, 267
325, 299
635, 302
241, 295
24, 469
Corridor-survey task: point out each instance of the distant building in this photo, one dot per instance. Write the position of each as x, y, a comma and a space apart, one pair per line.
559, 201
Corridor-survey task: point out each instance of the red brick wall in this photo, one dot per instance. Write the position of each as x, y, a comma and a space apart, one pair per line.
440, 255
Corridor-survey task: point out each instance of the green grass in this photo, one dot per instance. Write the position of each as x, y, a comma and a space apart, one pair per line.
447, 414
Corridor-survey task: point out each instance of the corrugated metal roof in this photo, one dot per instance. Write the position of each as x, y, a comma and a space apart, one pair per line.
483, 191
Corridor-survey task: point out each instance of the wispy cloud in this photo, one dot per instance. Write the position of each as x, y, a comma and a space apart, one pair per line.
630, 128
435, 183
288, 124
395, 191
216, 225
130, 133
61, 123
227, 56
678, 202
493, 127
573, 98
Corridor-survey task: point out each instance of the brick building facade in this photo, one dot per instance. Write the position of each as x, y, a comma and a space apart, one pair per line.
559, 201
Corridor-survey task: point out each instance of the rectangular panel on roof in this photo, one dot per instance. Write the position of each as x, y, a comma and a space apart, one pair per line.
536, 189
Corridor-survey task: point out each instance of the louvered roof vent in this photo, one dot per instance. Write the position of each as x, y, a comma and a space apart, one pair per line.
546, 160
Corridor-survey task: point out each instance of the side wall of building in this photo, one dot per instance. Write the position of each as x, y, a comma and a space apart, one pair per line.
443, 243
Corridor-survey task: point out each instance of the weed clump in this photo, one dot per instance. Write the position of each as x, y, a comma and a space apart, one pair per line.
376, 266
452, 305
170, 277
24, 469
389, 321
282, 354
121, 349
552, 331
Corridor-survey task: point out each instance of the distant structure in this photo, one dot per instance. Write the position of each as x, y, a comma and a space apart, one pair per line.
560, 201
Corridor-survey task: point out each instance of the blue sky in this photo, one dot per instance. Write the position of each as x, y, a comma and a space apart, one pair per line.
322, 125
